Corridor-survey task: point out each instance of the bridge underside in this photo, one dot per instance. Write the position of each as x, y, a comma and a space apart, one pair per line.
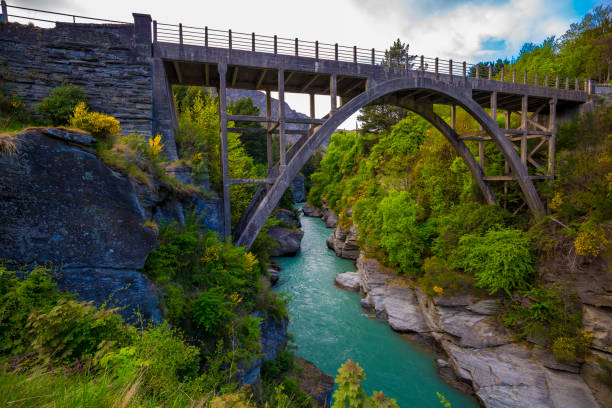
358, 85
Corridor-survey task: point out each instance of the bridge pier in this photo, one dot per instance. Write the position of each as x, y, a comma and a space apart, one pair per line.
221, 91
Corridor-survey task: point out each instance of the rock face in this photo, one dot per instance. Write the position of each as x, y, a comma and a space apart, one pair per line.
329, 218
349, 281
272, 338
314, 382
344, 243
288, 217
288, 240
299, 189
482, 354
60, 203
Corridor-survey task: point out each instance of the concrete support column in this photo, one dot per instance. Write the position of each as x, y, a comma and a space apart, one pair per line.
269, 153
4, 16
453, 115
227, 219
507, 115
312, 112
524, 108
333, 92
552, 127
281, 118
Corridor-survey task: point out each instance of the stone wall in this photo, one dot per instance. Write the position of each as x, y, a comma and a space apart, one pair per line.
103, 59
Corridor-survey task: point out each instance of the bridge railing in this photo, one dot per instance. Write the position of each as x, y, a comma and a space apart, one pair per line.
208, 37
47, 19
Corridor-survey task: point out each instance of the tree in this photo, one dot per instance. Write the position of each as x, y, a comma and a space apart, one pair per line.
254, 143
380, 118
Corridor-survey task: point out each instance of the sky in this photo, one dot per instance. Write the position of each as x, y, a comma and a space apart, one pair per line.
464, 30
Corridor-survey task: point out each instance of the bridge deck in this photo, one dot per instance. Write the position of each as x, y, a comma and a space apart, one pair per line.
197, 65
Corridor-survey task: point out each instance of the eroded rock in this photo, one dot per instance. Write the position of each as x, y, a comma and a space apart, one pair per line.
348, 281
288, 240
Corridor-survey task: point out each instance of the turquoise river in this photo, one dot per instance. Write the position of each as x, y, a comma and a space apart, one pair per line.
329, 327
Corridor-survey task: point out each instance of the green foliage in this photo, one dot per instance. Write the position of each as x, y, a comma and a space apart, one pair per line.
445, 403
351, 394
14, 114
198, 135
73, 330
545, 314
438, 273
500, 260
18, 299
255, 144
59, 106
211, 310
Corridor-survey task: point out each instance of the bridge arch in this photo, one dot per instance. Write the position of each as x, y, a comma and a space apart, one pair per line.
458, 93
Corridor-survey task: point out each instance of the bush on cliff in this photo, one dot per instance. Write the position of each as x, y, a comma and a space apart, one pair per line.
97, 124
59, 106
500, 259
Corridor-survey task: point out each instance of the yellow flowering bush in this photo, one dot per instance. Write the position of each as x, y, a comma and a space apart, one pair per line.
155, 146
439, 291
250, 261
570, 348
98, 124
556, 202
589, 242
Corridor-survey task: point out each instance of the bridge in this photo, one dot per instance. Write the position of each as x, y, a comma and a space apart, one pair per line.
185, 55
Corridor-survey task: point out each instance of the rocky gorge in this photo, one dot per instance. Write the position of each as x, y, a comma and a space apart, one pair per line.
480, 355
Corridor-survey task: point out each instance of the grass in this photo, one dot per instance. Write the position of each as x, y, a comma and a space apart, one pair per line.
8, 144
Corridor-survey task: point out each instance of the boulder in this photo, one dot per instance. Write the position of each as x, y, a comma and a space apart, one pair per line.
274, 276
348, 281
288, 241
311, 211
344, 243
288, 217
329, 217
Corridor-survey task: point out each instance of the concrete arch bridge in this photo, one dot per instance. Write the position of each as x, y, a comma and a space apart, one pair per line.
246, 61
185, 55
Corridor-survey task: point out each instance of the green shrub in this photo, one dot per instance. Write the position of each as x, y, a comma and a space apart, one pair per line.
74, 331
350, 391
439, 274
211, 310
500, 260
18, 299
59, 106
552, 316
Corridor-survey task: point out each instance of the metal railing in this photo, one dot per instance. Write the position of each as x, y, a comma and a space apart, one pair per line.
47, 18
233, 40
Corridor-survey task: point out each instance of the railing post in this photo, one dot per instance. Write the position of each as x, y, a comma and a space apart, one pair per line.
514, 76
373, 56
546, 79
336, 51
422, 63
450, 69
490, 72
355, 54
436, 68
253, 42
525, 77
296, 47
503, 72
464, 68
477, 73
4, 12
586, 85
206, 36
275, 44
576, 84
557, 82
230, 39
181, 33
316, 50
536, 79
154, 31
566, 82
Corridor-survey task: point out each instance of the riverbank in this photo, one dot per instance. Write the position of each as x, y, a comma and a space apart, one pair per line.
329, 327
482, 356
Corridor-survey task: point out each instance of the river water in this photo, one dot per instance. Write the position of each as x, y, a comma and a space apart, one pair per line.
329, 327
